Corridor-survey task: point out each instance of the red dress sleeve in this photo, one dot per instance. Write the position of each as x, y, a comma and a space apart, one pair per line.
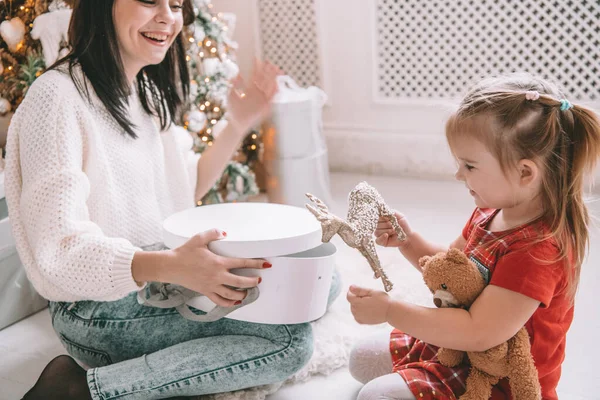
532, 270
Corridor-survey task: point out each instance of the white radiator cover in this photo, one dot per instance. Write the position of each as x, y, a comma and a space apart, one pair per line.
436, 49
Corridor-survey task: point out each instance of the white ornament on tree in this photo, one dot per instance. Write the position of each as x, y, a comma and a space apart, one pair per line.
199, 34
220, 95
51, 29
211, 66
5, 106
230, 69
196, 120
13, 32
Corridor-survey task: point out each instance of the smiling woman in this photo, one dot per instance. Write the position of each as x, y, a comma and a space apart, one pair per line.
116, 40
89, 182
145, 31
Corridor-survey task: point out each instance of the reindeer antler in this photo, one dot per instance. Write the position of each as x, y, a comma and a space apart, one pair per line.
318, 202
321, 212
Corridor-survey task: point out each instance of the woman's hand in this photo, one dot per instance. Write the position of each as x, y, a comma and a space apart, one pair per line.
386, 236
248, 104
194, 266
368, 306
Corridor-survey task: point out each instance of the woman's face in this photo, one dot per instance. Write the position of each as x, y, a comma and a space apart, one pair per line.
145, 30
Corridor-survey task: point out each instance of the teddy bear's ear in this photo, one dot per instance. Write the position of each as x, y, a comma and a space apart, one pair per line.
457, 256
423, 260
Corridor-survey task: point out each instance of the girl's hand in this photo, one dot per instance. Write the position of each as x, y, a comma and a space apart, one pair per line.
368, 306
197, 268
249, 104
386, 236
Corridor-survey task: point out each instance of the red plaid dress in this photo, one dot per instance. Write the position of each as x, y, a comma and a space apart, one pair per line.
519, 271
417, 363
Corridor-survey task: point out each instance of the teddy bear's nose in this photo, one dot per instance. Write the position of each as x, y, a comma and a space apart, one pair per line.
437, 302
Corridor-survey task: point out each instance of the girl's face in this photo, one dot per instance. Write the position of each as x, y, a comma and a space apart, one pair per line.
145, 30
484, 178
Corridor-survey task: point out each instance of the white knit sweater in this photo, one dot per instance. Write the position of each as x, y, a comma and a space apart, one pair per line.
83, 196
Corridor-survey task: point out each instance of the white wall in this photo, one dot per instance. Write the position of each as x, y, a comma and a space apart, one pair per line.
363, 135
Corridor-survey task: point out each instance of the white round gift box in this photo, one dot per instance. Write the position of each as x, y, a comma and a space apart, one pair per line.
296, 289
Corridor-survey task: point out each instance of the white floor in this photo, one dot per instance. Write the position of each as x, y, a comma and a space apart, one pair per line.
436, 209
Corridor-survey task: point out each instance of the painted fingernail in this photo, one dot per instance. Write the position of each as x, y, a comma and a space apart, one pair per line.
267, 265
259, 280
224, 234
237, 303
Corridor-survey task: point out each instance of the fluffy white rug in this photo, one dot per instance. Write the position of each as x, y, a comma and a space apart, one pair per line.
337, 331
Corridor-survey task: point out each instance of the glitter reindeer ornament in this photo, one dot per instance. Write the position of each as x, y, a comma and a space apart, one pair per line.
365, 206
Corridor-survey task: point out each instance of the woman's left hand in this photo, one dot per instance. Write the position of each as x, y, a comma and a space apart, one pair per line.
248, 104
368, 306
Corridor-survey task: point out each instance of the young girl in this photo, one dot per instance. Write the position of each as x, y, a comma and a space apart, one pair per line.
93, 169
523, 151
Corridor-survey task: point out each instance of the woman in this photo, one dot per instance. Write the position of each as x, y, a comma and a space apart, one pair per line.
90, 180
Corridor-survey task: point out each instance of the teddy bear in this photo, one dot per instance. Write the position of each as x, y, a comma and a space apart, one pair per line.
455, 281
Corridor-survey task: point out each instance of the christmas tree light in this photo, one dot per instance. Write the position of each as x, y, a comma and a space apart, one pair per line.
211, 59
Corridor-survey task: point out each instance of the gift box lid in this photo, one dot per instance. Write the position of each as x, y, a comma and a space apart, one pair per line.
254, 230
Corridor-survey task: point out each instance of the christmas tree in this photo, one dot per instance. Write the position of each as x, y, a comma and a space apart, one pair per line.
212, 65
34, 35
21, 58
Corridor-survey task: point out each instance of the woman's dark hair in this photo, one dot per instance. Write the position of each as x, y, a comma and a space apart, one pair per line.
162, 88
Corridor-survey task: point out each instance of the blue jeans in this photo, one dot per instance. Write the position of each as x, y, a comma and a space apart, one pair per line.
139, 352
